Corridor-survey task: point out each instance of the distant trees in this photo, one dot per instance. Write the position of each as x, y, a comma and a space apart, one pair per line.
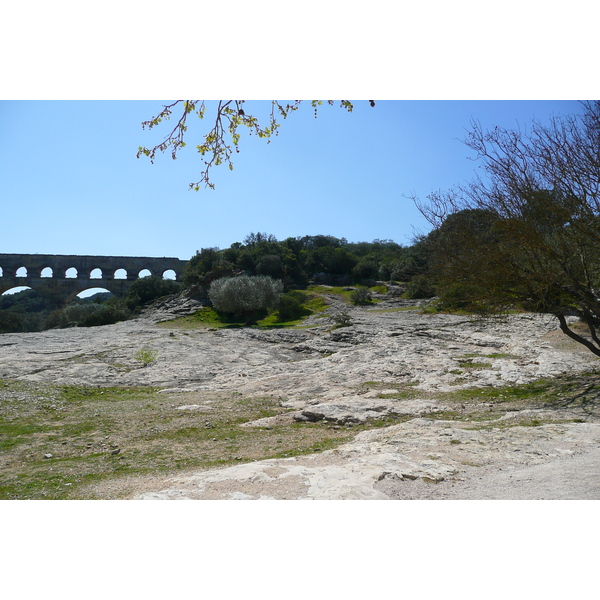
146, 289
207, 265
529, 233
33, 311
297, 260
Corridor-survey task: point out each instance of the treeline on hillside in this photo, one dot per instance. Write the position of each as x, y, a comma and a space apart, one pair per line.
319, 258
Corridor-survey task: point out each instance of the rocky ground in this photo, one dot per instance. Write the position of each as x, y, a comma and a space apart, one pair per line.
392, 361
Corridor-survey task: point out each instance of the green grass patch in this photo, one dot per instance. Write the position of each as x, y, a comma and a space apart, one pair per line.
580, 392
493, 355
407, 387
398, 309
400, 395
316, 304
522, 423
208, 318
13, 434
474, 365
379, 289
343, 292
542, 390
340, 291
205, 317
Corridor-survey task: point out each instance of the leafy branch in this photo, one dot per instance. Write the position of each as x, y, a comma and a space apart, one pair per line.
223, 139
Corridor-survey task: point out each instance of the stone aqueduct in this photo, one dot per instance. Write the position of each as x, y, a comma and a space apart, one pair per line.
48, 272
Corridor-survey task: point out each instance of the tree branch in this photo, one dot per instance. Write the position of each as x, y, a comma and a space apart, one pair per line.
224, 137
566, 330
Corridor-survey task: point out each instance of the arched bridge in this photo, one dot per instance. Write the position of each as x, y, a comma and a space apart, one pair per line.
65, 276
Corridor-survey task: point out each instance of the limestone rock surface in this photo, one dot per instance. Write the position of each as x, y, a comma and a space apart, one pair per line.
321, 373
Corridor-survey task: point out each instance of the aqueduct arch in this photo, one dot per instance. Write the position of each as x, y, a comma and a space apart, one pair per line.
63, 287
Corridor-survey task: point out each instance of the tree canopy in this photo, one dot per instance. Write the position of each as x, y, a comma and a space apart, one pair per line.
297, 260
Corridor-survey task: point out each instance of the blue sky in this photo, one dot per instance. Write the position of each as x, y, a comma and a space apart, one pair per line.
70, 182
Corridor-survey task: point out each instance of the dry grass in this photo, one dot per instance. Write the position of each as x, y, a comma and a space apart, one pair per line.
98, 434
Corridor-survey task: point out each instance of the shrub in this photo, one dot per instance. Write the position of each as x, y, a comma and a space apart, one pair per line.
106, 314
461, 296
11, 321
206, 266
291, 306
69, 315
150, 288
342, 319
84, 313
419, 287
361, 295
245, 296
146, 356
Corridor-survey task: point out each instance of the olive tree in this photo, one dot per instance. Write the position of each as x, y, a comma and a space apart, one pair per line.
245, 296
528, 231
